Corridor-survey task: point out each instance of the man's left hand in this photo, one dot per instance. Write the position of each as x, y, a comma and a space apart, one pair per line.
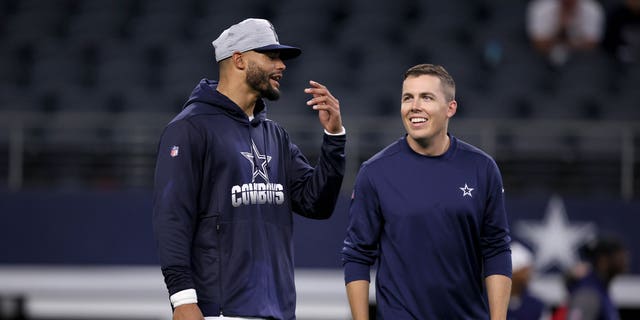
327, 105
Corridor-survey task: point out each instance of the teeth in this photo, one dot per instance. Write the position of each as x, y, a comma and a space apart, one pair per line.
418, 120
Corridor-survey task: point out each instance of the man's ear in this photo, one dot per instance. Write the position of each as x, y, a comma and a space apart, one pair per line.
238, 60
452, 107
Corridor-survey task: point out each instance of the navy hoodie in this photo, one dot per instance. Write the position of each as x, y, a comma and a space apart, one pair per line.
225, 190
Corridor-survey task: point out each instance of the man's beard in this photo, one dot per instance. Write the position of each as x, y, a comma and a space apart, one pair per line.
258, 80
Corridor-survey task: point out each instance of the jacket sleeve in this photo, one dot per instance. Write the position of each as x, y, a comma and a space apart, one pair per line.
176, 188
360, 247
315, 191
495, 238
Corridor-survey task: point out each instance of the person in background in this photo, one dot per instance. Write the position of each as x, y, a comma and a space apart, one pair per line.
622, 37
557, 28
522, 304
570, 277
429, 209
228, 181
589, 297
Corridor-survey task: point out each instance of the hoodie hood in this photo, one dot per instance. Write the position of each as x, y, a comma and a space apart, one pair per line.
206, 92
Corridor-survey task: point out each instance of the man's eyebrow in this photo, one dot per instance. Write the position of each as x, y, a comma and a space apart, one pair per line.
421, 94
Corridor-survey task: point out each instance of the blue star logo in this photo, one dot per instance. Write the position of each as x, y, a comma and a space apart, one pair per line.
259, 168
466, 191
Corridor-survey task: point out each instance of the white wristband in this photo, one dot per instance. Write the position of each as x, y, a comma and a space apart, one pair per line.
341, 133
183, 297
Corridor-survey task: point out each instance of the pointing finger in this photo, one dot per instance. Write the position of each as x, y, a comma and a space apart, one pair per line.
316, 84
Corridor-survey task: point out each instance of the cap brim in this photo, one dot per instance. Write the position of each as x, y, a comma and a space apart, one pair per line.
286, 52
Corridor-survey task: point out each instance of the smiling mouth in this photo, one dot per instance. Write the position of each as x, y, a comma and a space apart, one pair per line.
418, 120
276, 78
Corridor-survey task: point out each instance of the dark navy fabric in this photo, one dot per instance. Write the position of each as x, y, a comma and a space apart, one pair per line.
436, 226
225, 190
528, 307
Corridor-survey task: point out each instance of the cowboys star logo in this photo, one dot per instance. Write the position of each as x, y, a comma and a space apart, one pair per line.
259, 163
466, 191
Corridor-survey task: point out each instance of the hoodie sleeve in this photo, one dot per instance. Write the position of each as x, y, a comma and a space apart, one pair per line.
176, 188
495, 237
314, 191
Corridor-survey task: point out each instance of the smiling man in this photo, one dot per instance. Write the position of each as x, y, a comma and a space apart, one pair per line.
228, 180
429, 208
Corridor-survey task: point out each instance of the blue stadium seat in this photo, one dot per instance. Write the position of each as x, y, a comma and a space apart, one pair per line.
33, 26
17, 98
105, 6
158, 28
182, 75
97, 26
121, 67
163, 7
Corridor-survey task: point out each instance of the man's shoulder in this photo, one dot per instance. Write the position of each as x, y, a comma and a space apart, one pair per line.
196, 109
273, 124
275, 127
194, 114
385, 154
468, 150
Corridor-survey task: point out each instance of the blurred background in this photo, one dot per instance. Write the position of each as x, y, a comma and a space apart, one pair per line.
86, 87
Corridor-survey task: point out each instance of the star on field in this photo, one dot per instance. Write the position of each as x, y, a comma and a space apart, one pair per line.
555, 240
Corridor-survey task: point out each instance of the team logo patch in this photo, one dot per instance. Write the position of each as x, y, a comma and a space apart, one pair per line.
259, 163
257, 193
466, 191
174, 151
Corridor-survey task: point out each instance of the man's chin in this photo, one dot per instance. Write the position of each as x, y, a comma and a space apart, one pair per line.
271, 95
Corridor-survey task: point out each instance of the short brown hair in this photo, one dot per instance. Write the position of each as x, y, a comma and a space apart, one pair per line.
448, 85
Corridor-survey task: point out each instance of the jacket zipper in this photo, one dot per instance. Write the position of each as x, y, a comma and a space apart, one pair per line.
220, 264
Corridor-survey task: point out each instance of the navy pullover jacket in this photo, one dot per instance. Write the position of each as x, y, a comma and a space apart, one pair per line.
436, 226
225, 190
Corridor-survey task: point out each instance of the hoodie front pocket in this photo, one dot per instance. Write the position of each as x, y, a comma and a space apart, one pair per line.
206, 235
